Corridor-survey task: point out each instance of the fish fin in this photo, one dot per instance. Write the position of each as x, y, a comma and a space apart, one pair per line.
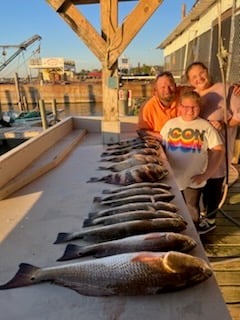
63, 237
24, 277
72, 251
88, 290
97, 199
87, 222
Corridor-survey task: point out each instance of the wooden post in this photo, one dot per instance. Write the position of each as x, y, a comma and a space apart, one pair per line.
18, 91
54, 110
110, 83
43, 114
107, 47
25, 103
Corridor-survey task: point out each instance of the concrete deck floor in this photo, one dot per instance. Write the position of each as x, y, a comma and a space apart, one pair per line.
58, 202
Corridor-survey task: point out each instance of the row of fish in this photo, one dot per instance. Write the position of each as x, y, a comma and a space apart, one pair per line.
133, 238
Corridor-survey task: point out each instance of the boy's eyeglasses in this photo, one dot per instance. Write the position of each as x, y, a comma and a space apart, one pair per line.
190, 107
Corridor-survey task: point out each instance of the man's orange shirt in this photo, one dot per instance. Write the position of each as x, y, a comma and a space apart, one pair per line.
153, 114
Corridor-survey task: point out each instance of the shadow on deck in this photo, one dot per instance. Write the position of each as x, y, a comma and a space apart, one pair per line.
222, 246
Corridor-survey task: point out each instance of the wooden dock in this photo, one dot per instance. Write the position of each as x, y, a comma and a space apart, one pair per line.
222, 247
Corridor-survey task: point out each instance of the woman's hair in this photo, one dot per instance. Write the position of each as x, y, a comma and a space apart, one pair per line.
191, 94
196, 63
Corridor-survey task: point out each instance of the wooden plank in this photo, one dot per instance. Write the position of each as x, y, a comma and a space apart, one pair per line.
229, 264
234, 311
231, 294
82, 27
228, 278
222, 250
130, 27
223, 239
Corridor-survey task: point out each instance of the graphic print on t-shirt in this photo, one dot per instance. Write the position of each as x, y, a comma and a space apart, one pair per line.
187, 140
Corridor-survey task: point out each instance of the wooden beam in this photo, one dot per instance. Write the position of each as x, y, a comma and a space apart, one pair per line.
81, 26
56, 4
130, 27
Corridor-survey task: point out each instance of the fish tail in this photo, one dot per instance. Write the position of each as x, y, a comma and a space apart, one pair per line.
72, 251
106, 191
102, 168
87, 223
104, 154
91, 215
25, 276
97, 199
94, 179
63, 237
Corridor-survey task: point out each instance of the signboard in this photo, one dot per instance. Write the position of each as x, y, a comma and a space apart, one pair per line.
52, 62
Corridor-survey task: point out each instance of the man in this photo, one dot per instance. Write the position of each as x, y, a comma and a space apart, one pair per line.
155, 112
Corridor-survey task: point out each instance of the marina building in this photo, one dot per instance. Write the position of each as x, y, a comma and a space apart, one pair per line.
54, 68
210, 25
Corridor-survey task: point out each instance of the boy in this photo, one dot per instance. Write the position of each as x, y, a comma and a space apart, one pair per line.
194, 150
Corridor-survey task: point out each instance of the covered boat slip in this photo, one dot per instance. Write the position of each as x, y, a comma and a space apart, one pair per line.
59, 201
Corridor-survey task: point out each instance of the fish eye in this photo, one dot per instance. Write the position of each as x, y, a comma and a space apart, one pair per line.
32, 278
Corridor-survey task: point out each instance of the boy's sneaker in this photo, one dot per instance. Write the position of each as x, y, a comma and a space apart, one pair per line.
205, 227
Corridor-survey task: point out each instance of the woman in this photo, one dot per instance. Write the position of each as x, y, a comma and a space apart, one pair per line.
213, 110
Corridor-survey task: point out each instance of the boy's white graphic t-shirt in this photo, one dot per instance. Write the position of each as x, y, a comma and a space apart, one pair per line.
186, 147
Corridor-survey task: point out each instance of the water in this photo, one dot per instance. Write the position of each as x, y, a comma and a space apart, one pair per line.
77, 109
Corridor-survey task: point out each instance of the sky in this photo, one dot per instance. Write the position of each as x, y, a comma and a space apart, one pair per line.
21, 19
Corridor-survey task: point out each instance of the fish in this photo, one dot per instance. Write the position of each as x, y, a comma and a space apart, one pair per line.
130, 215
123, 229
145, 142
150, 206
145, 172
132, 192
156, 241
119, 158
136, 159
138, 185
130, 142
141, 145
127, 274
166, 197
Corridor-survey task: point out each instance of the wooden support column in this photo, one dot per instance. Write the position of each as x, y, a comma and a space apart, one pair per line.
110, 122
107, 47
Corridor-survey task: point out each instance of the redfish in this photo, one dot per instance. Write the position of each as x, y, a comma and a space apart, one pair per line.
158, 241
135, 160
141, 145
118, 158
166, 197
146, 172
132, 192
141, 273
124, 229
150, 206
135, 186
128, 216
